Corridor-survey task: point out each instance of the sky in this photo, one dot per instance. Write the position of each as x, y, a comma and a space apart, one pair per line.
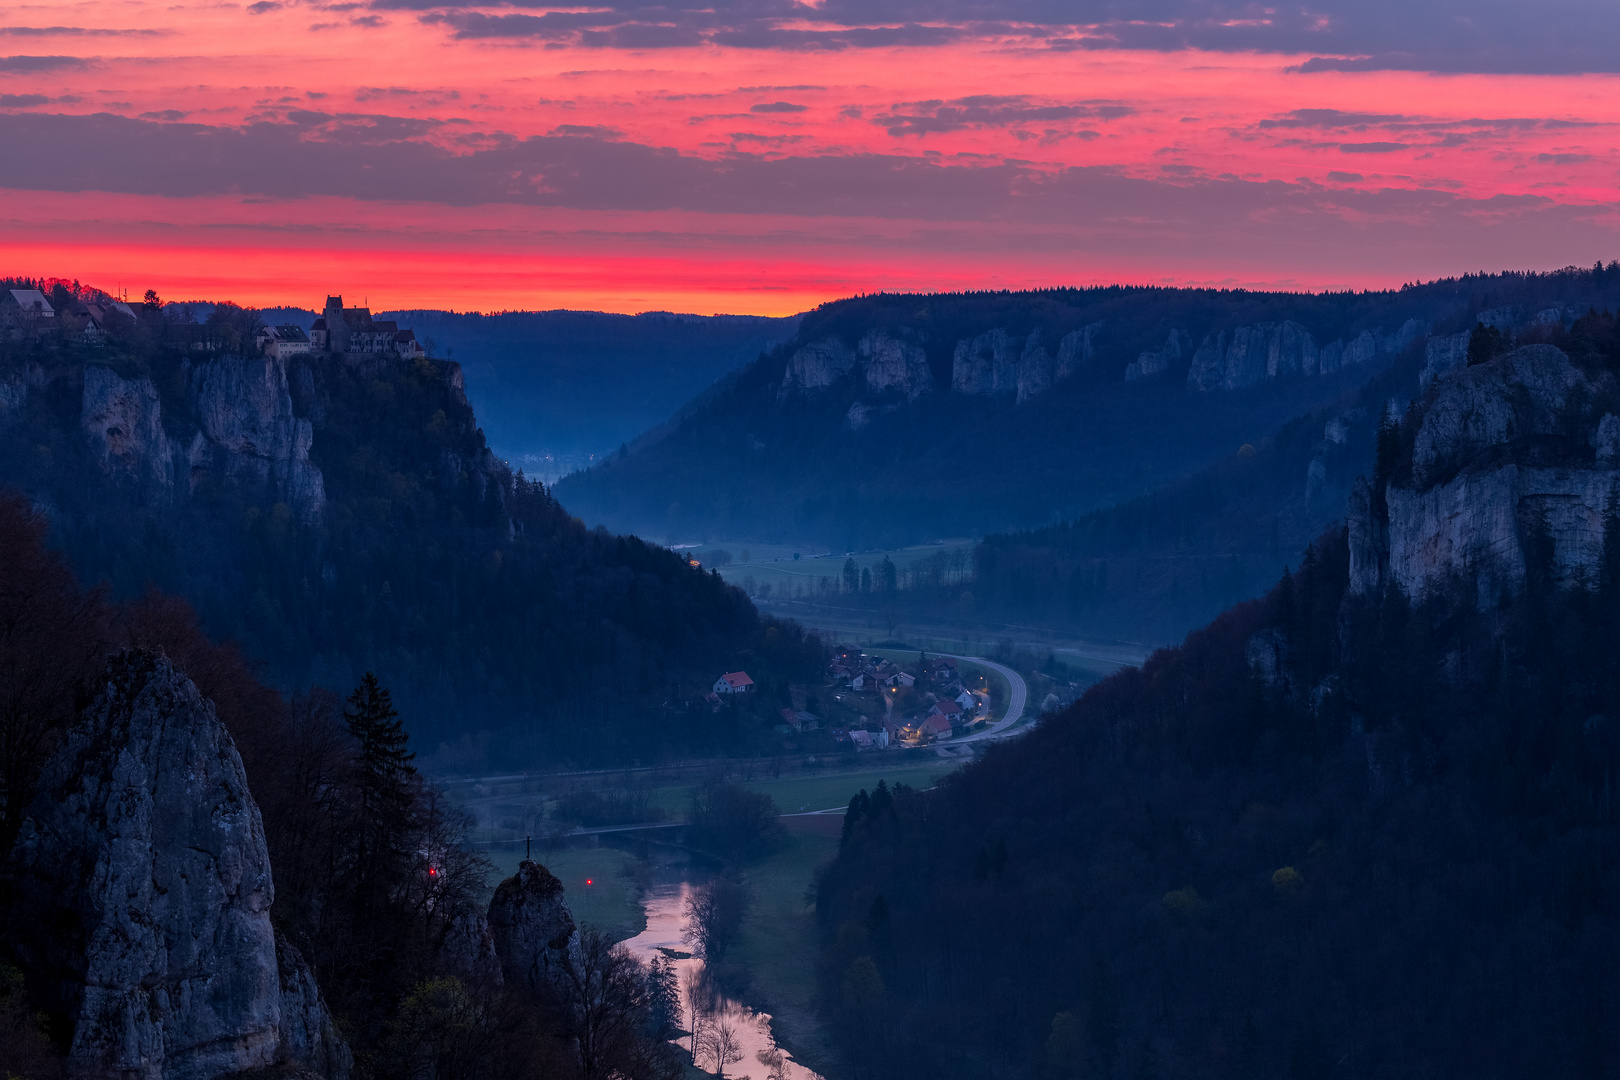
763, 156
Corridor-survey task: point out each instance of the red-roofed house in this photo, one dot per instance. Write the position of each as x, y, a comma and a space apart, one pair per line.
936, 726
734, 682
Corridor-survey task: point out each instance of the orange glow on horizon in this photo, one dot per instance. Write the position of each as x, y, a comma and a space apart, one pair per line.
1335, 176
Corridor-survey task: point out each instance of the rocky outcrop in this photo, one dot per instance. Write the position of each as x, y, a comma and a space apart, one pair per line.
247, 431
122, 420
894, 364
995, 363
308, 1037
1266, 352
143, 861
532, 928
1254, 355
1507, 464
1443, 354
889, 363
817, 366
1149, 364
986, 364
245, 410
145, 833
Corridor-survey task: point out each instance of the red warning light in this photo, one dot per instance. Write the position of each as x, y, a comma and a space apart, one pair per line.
588, 881
433, 872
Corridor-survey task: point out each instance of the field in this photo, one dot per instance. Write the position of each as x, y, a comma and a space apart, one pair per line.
778, 942
611, 900
775, 565
816, 790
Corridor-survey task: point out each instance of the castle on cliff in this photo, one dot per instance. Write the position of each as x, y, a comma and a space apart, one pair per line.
352, 330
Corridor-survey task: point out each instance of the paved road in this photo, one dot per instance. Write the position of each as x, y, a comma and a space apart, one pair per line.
1017, 701
1005, 728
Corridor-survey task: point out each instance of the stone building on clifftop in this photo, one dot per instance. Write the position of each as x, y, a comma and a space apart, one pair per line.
352, 330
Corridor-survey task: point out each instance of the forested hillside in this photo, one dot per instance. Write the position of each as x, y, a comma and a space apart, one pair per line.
336, 514
553, 389
1362, 827
891, 419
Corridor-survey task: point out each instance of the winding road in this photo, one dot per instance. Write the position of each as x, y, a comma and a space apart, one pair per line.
1017, 700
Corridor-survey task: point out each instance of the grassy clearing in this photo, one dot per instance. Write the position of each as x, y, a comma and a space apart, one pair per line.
612, 900
778, 943
816, 790
774, 564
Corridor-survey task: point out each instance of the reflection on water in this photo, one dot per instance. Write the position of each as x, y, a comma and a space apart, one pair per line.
749, 1031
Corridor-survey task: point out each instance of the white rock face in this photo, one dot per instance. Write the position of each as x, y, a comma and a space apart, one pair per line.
1475, 528
145, 831
817, 365
985, 365
246, 410
122, 420
892, 363
1256, 354
1526, 392
1149, 364
994, 363
248, 433
1286, 350
1475, 504
1443, 355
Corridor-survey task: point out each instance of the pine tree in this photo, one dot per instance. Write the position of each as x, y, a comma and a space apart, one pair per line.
384, 783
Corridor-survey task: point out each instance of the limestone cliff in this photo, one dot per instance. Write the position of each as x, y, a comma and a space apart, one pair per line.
1510, 460
889, 363
532, 928
246, 430
144, 865
995, 363
1266, 352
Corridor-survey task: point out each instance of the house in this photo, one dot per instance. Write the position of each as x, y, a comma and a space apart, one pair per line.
858, 683
935, 726
861, 739
282, 342
734, 682
950, 710
26, 310
903, 678
969, 703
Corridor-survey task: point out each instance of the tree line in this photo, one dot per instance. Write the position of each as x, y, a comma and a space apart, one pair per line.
374, 881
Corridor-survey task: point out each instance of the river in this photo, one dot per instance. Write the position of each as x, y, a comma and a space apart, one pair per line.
749, 1030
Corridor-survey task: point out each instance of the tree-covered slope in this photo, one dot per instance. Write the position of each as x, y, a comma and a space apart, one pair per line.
338, 514
555, 389
890, 419
1361, 827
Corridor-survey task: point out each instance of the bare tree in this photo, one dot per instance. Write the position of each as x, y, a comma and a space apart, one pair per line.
725, 1047
606, 998
714, 914
774, 1060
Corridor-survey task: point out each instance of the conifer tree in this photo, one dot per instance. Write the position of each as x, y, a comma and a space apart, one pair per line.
384, 784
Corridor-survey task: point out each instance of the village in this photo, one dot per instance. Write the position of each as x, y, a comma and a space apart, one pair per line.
872, 702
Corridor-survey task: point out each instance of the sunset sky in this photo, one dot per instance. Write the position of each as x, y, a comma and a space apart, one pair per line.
764, 155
